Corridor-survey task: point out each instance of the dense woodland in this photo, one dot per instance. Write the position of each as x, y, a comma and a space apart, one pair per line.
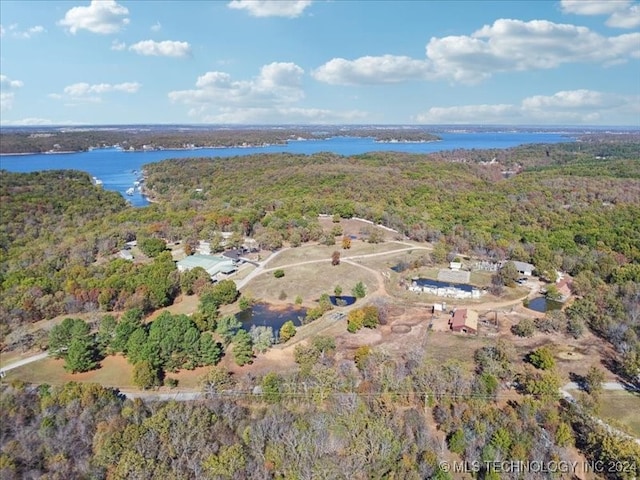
138, 138
573, 207
377, 417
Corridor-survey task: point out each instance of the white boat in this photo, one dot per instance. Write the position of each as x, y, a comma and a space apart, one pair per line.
130, 191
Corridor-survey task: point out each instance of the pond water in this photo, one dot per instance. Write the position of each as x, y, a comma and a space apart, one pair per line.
267, 315
541, 304
342, 301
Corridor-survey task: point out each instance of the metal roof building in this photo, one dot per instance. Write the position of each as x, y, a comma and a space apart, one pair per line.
213, 264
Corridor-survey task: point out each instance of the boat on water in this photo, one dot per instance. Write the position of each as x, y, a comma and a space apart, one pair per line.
130, 191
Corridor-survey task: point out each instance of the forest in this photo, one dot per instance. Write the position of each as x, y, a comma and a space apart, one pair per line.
572, 207
378, 417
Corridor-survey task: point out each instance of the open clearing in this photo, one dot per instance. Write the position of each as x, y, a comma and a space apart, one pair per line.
321, 252
309, 281
622, 407
115, 372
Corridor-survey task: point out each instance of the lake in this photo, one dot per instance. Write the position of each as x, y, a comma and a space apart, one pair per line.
118, 170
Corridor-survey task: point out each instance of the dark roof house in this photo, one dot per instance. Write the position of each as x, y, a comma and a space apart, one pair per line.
464, 320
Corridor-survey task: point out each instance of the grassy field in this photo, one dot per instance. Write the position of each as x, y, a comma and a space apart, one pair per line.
310, 281
115, 372
622, 407
319, 252
442, 345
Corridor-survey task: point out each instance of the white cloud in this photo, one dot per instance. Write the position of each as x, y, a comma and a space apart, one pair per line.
279, 115
625, 19
25, 122
166, 48
506, 46
622, 13
371, 70
7, 83
6, 101
7, 92
118, 46
88, 93
564, 107
271, 8
101, 16
278, 83
14, 32
156, 27
270, 97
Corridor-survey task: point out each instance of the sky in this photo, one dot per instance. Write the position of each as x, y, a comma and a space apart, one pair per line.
100, 62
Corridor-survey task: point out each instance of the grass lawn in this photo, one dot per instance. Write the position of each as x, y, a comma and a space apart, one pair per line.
115, 372
443, 346
319, 252
385, 262
309, 281
622, 407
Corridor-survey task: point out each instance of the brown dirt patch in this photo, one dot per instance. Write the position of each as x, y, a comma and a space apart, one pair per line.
401, 328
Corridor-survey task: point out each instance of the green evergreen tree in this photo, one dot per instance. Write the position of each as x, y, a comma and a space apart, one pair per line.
227, 327
146, 376
210, 350
81, 355
106, 334
359, 291
242, 348
130, 322
271, 387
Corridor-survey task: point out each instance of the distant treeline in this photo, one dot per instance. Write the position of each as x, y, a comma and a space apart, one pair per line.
138, 138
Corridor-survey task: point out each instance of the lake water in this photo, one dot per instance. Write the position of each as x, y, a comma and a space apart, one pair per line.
118, 170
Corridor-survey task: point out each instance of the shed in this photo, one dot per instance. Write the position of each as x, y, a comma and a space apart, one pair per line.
464, 320
524, 268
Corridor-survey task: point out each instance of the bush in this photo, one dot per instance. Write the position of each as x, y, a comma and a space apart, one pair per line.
152, 247
146, 376
359, 291
171, 382
541, 358
525, 328
287, 331
278, 273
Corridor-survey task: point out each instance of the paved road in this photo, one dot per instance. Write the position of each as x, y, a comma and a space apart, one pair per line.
163, 397
605, 386
24, 361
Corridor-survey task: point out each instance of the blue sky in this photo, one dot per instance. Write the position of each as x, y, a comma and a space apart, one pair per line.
569, 62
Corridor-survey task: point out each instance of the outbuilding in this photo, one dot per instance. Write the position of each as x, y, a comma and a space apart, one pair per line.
464, 320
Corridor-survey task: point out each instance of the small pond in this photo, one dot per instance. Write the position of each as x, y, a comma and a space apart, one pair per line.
267, 315
342, 301
541, 304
